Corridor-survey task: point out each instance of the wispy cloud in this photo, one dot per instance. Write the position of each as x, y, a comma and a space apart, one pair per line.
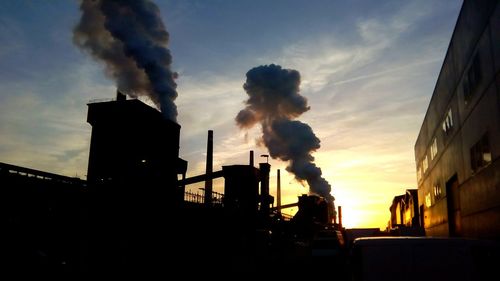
48, 131
368, 80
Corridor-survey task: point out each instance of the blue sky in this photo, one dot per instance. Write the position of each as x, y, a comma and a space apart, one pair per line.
368, 70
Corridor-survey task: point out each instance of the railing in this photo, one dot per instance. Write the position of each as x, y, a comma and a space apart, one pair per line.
199, 197
194, 197
31, 173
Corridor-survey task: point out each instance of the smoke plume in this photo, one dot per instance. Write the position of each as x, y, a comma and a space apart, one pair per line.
130, 38
274, 101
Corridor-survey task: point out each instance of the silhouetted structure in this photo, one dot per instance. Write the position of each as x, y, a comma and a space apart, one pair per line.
312, 215
132, 175
241, 188
209, 168
133, 216
405, 216
396, 209
458, 147
133, 144
40, 220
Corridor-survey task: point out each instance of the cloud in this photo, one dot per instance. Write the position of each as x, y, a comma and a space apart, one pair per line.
45, 127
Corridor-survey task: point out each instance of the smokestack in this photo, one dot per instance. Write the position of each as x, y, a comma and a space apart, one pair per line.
209, 168
278, 192
251, 158
340, 217
265, 199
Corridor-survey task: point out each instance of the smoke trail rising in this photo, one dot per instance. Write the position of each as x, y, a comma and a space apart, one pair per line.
130, 38
274, 101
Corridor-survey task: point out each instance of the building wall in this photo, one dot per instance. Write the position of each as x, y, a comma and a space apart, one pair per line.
474, 103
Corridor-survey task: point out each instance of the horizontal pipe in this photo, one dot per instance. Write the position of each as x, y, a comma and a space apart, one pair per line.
285, 206
200, 178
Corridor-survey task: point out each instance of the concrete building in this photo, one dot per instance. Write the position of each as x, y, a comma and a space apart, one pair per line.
396, 210
405, 214
457, 150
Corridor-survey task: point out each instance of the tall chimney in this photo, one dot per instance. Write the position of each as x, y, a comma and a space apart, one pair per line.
278, 192
340, 217
208, 173
265, 198
251, 158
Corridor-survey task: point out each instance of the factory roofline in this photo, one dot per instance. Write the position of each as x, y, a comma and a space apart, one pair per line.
135, 109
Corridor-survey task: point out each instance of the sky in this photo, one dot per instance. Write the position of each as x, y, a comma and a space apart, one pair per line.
368, 70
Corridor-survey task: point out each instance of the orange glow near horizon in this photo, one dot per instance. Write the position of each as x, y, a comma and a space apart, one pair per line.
364, 179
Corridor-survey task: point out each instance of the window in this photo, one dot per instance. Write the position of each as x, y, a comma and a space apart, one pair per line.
420, 173
472, 79
428, 200
425, 163
438, 191
434, 149
448, 122
480, 154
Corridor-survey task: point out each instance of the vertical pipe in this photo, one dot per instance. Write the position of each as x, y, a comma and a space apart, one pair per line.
278, 192
251, 158
208, 173
340, 217
265, 201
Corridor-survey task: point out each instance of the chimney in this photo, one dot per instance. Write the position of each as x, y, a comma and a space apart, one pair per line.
278, 192
120, 96
265, 200
208, 173
340, 217
251, 158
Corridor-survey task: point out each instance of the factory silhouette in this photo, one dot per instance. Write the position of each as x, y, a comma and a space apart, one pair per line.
135, 216
133, 213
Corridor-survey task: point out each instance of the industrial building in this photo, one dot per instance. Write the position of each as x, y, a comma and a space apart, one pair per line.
133, 215
405, 215
458, 147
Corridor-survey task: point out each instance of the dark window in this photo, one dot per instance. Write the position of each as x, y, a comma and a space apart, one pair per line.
480, 154
472, 79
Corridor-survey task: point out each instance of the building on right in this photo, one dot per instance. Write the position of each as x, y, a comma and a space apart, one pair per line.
458, 147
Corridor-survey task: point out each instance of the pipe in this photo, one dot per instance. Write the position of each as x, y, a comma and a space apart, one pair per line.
209, 168
340, 217
251, 158
265, 201
278, 192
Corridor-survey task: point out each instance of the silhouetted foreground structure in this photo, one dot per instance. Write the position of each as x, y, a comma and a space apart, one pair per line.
131, 216
40, 220
458, 147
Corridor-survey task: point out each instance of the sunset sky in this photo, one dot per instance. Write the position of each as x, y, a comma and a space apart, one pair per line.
368, 70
